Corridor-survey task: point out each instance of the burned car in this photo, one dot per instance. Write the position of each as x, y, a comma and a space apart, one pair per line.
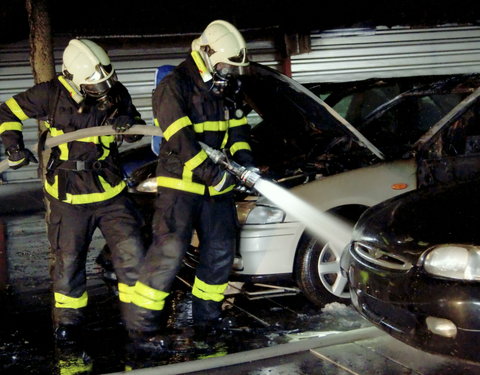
340, 158
414, 268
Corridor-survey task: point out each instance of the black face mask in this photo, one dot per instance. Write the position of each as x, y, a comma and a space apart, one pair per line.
103, 103
233, 95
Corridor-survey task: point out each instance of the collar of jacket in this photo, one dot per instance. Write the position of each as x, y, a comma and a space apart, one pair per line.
74, 93
193, 71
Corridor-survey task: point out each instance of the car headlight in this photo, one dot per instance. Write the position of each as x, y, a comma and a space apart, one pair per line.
249, 213
147, 186
460, 262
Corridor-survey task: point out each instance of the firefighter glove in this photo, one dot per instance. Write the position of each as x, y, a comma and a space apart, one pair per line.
18, 157
226, 180
121, 123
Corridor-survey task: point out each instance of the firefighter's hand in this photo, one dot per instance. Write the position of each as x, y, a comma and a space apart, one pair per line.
242, 189
18, 158
226, 180
121, 123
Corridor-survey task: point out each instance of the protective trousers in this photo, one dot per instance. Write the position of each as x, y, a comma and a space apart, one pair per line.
177, 214
70, 231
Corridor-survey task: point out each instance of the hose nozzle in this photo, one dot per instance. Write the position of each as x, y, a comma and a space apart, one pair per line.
246, 176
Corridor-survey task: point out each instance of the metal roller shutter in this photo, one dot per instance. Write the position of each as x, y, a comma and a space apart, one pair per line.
358, 54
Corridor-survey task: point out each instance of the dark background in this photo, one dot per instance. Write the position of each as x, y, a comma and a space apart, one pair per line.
159, 17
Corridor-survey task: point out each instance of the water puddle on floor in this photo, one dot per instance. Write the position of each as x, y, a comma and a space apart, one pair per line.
27, 346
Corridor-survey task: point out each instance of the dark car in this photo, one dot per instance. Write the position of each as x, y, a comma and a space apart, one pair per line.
414, 268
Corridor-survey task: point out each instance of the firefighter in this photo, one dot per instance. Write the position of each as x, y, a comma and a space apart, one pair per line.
84, 188
196, 102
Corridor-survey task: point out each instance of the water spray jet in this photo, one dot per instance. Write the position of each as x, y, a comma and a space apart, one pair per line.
321, 225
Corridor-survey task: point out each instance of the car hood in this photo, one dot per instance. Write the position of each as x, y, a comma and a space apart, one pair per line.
414, 221
295, 122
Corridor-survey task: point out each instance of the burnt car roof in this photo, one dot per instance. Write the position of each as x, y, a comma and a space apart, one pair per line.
414, 221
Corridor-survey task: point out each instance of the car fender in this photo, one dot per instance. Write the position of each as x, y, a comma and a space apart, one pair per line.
271, 249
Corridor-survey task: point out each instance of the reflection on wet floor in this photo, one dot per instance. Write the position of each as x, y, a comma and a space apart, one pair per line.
27, 346
26, 343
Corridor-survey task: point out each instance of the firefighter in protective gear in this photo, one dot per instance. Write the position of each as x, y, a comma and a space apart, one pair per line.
190, 105
83, 186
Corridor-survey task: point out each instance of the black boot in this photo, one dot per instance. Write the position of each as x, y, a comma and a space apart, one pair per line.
149, 342
68, 335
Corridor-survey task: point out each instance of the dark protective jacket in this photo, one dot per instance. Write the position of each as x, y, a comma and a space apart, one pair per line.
190, 112
82, 171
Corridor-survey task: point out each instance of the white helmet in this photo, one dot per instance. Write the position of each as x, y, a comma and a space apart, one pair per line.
88, 67
221, 42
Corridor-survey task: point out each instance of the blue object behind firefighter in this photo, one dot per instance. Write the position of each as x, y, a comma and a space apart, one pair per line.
146, 155
160, 73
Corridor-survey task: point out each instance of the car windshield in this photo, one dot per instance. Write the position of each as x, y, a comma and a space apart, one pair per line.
394, 114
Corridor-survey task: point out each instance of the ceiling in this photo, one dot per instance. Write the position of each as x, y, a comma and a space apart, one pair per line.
158, 17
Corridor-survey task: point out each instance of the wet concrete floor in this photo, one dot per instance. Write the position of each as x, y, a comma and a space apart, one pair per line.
271, 323
27, 347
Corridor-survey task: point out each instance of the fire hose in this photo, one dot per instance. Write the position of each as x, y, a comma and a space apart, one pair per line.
246, 176
92, 132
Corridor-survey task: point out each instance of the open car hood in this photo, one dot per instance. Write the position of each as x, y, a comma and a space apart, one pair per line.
295, 122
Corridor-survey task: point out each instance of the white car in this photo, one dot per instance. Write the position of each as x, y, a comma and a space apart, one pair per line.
341, 155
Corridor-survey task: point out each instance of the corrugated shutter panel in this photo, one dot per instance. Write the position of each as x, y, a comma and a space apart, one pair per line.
358, 54
135, 69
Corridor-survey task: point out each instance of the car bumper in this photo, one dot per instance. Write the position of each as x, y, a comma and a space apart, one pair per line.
268, 249
413, 307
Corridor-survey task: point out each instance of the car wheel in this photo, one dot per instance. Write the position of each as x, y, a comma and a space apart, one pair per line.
317, 270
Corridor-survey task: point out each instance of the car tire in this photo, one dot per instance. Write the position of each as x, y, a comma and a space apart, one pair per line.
317, 271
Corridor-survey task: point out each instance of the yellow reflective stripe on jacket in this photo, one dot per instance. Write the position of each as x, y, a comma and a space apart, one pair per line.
212, 191
16, 109
237, 146
208, 292
64, 301
11, 125
175, 126
193, 163
156, 123
148, 297
12, 163
196, 160
109, 192
211, 126
63, 147
176, 183
238, 122
125, 292
104, 140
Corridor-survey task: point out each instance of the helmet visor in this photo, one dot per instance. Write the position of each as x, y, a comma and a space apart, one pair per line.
239, 60
226, 71
101, 80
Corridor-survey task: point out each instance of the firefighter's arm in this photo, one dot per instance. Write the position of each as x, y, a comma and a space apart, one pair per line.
32, 103
170, 114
